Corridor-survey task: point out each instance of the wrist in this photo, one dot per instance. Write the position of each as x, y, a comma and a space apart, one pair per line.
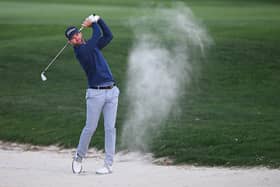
96, 18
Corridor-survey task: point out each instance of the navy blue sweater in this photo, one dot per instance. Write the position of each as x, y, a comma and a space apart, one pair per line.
90, 56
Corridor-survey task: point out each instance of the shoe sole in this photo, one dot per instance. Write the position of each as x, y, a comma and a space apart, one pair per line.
76, 171
110, 172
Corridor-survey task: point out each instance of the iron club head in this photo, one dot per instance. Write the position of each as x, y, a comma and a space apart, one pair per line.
43, 77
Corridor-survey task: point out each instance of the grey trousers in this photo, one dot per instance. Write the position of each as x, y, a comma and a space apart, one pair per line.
98, 101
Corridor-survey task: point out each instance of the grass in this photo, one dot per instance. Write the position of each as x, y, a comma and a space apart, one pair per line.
229, 116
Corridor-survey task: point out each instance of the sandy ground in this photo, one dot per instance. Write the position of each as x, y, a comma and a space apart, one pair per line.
31, 166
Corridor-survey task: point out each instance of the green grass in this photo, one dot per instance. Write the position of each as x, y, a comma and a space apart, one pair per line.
229, 116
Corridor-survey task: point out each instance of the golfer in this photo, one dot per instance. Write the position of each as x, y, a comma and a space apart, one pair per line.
102, 92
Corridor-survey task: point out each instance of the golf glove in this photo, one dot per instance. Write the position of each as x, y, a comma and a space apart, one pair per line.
96, 17
93, 18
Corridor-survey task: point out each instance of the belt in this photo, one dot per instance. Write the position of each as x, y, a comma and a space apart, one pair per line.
103, 87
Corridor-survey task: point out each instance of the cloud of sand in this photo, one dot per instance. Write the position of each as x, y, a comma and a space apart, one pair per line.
160, 66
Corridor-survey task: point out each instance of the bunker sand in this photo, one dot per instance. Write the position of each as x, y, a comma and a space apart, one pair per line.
33, 166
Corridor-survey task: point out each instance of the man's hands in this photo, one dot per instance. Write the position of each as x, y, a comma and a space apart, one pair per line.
89, 20
93, 18
87, 23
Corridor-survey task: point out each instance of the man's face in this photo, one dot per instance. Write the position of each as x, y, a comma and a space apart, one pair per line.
77, 39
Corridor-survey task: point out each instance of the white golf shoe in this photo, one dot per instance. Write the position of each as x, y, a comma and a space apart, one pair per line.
77, 164
104, 170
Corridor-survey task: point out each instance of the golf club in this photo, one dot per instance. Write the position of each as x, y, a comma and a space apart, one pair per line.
43, 76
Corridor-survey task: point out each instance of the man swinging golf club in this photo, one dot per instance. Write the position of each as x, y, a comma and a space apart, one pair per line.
102, 94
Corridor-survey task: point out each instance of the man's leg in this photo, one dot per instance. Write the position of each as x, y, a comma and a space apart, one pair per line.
95, 103
110, 114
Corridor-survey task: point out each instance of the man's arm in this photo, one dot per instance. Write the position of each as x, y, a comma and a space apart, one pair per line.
107, 34
96, 33
91, 21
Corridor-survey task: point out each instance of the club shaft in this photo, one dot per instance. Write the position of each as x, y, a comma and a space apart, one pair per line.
81, 28
61, 50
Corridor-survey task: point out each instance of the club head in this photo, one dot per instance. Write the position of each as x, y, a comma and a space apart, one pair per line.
43, 77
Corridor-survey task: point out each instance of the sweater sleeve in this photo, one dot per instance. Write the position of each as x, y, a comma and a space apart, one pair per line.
107, 35
96, 34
